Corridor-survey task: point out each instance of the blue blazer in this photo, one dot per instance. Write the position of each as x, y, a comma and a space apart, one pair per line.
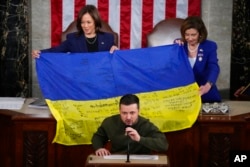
206, 69
77, 44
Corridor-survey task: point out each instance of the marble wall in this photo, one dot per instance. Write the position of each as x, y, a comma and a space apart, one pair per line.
14, 48
40, 35
217, 16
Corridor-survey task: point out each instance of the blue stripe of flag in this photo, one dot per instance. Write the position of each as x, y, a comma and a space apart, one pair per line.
100, 75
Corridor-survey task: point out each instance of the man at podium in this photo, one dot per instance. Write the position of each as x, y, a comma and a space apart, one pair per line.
128, 132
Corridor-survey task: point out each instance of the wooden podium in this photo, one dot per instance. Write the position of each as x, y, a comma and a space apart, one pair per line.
100, 161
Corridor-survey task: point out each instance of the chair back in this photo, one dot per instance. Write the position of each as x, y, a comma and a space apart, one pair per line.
105, 28
165, 32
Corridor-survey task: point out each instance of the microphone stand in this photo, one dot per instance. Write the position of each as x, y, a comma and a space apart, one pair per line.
128, 153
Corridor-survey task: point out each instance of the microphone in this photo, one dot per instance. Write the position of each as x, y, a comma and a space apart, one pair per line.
126, 126
126, 133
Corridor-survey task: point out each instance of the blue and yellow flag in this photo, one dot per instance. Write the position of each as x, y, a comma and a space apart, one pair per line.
82, 89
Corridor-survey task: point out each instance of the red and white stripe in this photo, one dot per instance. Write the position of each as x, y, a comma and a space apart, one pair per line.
131, 19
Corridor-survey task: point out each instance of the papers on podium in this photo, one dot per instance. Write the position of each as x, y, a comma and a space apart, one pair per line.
11, 103
143, 157
120, 160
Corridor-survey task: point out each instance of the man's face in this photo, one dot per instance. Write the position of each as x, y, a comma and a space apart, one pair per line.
129, 113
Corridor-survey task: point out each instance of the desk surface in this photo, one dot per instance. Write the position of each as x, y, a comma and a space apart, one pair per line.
98, 160
236, 108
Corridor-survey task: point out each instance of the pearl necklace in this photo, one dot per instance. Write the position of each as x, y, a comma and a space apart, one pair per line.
193, 50
90, 41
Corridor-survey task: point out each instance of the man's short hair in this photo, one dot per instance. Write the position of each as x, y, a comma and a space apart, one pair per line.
129, 99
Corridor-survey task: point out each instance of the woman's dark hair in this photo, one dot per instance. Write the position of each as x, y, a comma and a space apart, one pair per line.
93, 12
196, 23
130, 99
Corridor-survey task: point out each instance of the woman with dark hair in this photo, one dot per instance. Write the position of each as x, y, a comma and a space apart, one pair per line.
202, 55
89, 38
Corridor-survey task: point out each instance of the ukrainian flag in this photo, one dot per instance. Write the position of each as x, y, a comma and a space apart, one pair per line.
82, 89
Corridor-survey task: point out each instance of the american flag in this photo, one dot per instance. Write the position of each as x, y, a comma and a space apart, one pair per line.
131, 19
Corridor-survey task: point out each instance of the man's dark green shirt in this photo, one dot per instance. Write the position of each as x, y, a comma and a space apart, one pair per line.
113, 129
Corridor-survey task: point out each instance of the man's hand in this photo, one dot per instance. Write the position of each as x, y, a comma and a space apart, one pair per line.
102, 152
133, 134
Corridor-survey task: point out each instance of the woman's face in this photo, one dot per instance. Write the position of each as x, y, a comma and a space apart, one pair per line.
88, 25
192, 36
